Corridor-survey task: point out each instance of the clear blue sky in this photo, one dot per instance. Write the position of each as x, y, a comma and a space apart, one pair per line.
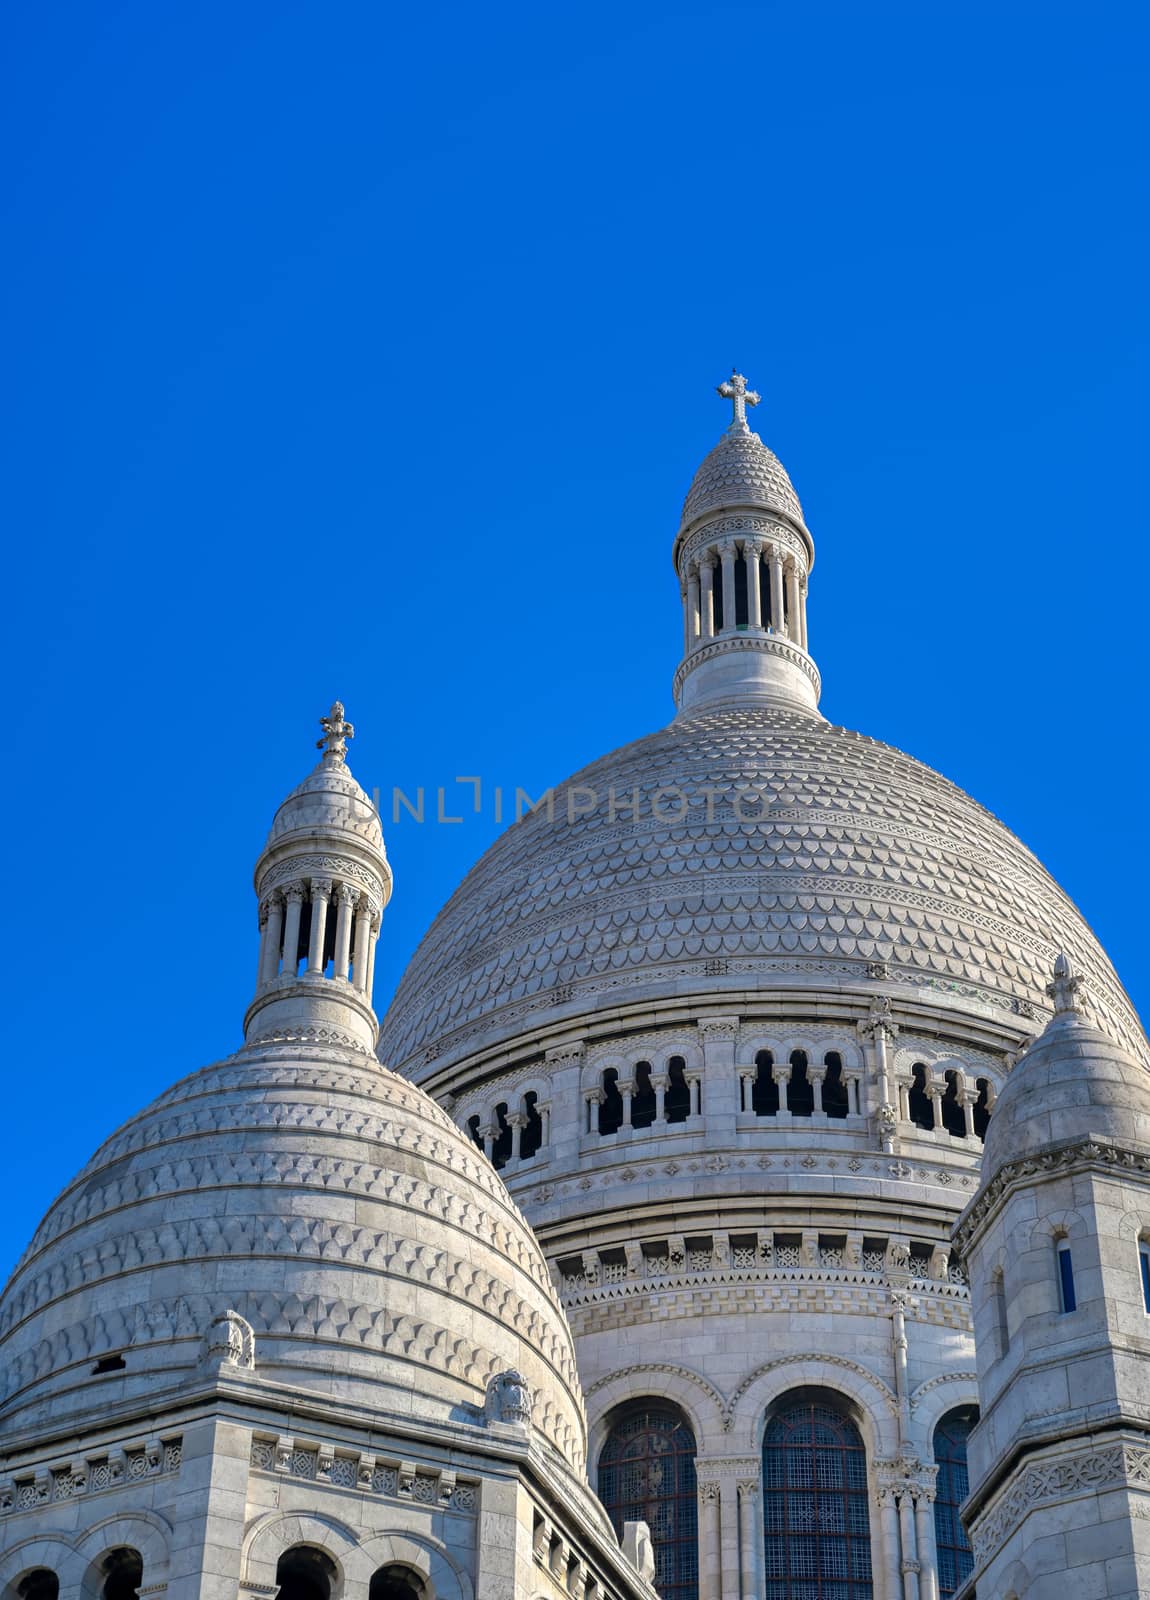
369, 350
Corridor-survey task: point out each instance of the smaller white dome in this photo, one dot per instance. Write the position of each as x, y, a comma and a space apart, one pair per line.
328, 800
740, 472
1074, 1082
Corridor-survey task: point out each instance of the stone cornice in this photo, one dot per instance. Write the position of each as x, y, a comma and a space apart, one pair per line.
726, 644
768, 528
1056, 1161
1122, 1464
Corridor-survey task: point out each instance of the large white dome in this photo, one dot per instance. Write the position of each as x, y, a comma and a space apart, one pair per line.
857, 854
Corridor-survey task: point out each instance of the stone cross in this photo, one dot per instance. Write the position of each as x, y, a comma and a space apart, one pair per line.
336, 733
735, 389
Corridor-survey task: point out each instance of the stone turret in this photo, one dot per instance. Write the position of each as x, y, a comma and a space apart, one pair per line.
1057, 1246
323, 881
743, 555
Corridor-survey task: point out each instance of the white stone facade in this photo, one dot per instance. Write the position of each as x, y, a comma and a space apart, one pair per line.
715, 1036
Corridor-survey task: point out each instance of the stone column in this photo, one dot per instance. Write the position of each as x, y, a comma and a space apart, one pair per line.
749, 1536
752, 550
927, 1544
793, 631
710, 1573
776, 565
373, 945
706, 598
816, 1077
727, 552
909, 1559
363, 920
692, 605
876, 1031
803, 613
273, 938
729, 1552
891, 1546
346, 897
659, 1081
293, 895
320, 896
262, 960
936, 1091
717, 1035
781, 1074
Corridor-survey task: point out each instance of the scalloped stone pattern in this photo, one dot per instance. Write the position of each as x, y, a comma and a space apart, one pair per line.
376, 1254
862, 854
740, 471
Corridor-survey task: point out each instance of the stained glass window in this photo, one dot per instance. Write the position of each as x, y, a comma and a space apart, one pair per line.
955, 1561
647, 1474
815, 1511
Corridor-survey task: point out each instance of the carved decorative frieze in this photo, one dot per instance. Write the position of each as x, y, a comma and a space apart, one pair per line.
351, 1469
113, 1468
1120, 1465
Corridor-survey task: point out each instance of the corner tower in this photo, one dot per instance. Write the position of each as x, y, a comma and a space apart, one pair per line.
1057, 1247
743, 555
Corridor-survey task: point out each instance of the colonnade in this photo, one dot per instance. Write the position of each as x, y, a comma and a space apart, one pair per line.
628, 1088
357, 923
774, 585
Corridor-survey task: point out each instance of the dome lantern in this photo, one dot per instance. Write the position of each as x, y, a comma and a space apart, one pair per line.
323, 881
743, 555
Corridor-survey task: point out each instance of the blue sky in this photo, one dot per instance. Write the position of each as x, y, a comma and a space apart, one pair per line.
365, 351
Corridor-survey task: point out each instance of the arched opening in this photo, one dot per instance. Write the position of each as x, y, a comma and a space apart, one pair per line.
800, 1090
503, 1144
647, 1474
473, 1132
396, 1583
952, 1108
611, 1105
39, 1584
981, 1109
955, 1560
742, 615
765, 1093
717, 596
305, 1573
765, 591
998, 1305
835, 1102
919, 1103
677, 1099
643, 1102
531, 1133
119, 1575
816, 1517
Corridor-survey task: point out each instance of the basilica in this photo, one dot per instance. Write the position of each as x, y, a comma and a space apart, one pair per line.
745, 1195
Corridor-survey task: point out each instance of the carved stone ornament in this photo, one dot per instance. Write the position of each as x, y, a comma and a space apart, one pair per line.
229, 1342
509, 1399
639, 1550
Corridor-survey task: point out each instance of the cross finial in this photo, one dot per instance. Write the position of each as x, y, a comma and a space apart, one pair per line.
336, 732
735, 389
1064, 989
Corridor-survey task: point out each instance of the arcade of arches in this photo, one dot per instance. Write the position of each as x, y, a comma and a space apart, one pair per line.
817, 1503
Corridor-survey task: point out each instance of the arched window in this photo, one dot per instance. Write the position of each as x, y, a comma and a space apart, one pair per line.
531, 1133
611, 1105
955, 1561
647, 1474
952, 1108
121, 1572
835, 1102
1144, 1270
677, 1099
503, 1144
816, 1518
1067, 1299
39, 1584
644, 1105
800, 1090
474, 1133
981, 1111
305, 1573
765, 1092
396, 1583
919, 1103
